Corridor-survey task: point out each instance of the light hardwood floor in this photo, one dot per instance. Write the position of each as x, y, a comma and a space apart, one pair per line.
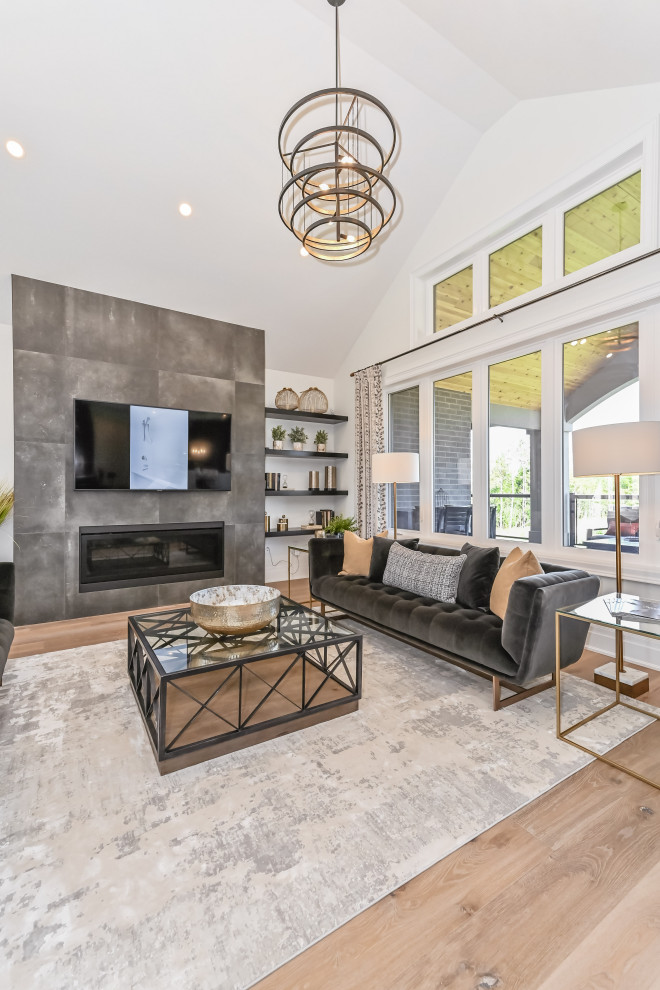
562, 895
46, 637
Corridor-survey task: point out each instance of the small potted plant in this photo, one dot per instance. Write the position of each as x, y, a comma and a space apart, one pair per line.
298, 437
279, 435
339, 525
320, 440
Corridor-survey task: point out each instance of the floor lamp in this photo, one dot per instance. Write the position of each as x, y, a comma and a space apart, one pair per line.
393, 467
618, 449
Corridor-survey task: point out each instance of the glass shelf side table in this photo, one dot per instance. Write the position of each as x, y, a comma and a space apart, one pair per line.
606, 611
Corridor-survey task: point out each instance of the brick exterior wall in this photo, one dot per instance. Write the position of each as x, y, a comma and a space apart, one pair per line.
452, 476
404, 436
452, 420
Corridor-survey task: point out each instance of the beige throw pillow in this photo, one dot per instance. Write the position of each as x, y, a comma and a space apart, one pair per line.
357, 554
516, 565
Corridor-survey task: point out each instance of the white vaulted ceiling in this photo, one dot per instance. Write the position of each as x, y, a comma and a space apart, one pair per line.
128, 107
537, 48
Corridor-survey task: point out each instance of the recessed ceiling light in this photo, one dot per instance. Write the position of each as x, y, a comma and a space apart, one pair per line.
324, 186
584, 340
15, 149
351, 238
185, 209
347, 160
303, 252
574, 343
609, 355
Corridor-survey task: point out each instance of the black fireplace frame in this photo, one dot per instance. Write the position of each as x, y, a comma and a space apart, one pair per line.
150, 528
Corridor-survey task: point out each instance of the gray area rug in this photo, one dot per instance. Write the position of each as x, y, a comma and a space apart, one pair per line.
209, 878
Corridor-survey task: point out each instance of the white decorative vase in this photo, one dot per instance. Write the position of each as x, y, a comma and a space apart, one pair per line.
320, 447
297, 446
278, 444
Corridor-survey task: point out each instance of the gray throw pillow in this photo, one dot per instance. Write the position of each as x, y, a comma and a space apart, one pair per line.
380, 553
425, 574
477, 576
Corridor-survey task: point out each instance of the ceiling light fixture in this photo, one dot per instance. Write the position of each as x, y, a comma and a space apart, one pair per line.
15, 149
185, 209
362, 199
303, 252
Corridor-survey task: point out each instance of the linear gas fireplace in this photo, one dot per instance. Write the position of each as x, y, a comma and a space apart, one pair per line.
124, 556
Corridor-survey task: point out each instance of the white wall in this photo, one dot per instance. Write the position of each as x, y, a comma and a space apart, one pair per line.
6, 432
533, 147
297, 508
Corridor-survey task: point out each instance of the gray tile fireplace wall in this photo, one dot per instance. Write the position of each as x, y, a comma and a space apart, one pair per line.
74, 344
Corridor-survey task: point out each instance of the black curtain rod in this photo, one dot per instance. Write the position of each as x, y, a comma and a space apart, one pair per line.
513, 309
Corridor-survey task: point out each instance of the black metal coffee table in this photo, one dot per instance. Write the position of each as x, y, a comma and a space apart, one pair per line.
203, 695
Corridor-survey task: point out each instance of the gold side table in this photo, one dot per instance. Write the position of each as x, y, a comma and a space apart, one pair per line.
598, 613
300, 550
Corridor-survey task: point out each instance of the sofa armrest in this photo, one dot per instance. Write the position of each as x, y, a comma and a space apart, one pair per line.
7, 588
325, 557
528, 630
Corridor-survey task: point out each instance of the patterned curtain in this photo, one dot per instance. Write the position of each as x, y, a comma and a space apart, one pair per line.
369, 439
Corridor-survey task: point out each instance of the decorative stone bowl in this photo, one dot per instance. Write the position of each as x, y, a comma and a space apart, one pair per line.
235, 609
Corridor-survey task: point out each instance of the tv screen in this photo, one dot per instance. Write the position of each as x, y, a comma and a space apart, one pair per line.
150, 448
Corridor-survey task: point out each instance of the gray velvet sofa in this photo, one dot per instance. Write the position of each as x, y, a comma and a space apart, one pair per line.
6, 613
513, 652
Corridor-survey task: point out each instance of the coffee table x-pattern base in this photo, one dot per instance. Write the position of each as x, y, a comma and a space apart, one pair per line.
202, 695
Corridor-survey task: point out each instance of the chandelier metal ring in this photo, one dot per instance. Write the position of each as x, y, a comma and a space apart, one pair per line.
348, 192
333, 91
358, 131
353, 248
343, 217
335, 197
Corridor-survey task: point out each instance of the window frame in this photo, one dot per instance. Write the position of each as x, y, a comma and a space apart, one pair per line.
564, 478
506, 540
547, 211
643, 567
585, 194
387, 404
510, 243
467, 319
433, 440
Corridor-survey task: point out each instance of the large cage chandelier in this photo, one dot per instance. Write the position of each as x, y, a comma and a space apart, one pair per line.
336, 198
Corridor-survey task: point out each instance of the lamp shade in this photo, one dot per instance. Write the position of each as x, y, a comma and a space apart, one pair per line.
618, 448
399, 467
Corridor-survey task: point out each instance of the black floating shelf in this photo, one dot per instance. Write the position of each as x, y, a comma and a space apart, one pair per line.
291, 532
307, 492
273, 413
303, 453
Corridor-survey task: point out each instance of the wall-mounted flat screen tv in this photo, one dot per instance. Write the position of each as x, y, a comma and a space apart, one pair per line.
150, 448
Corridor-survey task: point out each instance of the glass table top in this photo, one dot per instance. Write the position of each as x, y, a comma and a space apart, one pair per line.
625, 612
177, 643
